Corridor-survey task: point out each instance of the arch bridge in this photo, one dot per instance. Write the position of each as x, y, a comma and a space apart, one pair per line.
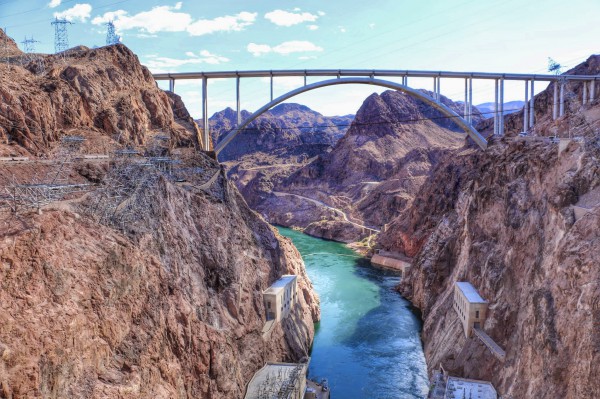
329, 77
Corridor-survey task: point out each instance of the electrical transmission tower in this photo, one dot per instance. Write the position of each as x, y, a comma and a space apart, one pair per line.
61, 37
111, 35
30, 56
29, 45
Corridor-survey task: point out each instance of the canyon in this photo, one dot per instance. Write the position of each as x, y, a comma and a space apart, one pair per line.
349, 190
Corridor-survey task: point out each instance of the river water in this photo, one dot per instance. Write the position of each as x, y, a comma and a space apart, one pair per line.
367, 344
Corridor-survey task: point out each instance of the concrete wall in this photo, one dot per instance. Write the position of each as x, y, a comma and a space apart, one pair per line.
390, 263
468, 313
281, 302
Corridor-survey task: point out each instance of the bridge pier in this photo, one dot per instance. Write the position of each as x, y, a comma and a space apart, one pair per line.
501, 115
526, 108
531, 107
555, 102
592, 90
495, 107
562, 99
584, 100
466, 111
271, 87
470, 101
205, 127
172, 85
237, 101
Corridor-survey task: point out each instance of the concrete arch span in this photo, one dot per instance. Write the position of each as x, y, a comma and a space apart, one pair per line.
469, 130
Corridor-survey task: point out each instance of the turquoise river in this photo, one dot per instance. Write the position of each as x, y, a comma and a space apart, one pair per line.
367, 344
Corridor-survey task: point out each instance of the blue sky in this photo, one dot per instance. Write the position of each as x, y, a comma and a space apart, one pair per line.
198, 35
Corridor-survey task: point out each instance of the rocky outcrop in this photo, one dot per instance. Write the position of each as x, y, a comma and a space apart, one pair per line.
505, 220
170, 306
149, 285
283, 128
103, 94
370, 175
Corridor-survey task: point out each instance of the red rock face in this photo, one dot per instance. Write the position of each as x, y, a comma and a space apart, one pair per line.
104, 94
167, 305
172, 308
504, 220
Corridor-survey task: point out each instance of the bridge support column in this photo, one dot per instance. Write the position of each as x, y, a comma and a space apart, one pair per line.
496, 107
271, 87
437, 93
470, 101
237, 101
592, 90
305, 79
555, 102
205, 127
435, 82
526, 108
501, 113
466, 110
532, 106
562, 99
404, 80
172, 85
584, 100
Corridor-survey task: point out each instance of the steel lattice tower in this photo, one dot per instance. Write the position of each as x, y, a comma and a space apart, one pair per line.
111, 35
29, 45
61, 38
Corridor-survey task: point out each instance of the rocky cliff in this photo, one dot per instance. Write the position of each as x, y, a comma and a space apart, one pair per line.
370, 175
150, 283
103, 94
284, 128
520, 222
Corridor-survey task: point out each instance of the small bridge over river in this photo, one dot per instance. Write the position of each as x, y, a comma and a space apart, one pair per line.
382, 78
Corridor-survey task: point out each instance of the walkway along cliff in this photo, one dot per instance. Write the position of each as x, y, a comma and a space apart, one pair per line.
521, 223
149, 288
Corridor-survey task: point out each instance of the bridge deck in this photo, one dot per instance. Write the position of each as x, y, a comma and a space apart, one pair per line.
490, 344
371, 73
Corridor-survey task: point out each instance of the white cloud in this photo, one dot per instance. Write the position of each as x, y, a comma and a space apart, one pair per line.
342, 29
54, 3
321, 13
285, 48
313, 27
157, 63
258, 49
169, 19
372, 26
286, 18
79, 12
307, 57
227, 23
158, 19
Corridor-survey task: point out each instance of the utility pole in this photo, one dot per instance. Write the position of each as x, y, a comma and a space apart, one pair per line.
111, 34
61, 37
